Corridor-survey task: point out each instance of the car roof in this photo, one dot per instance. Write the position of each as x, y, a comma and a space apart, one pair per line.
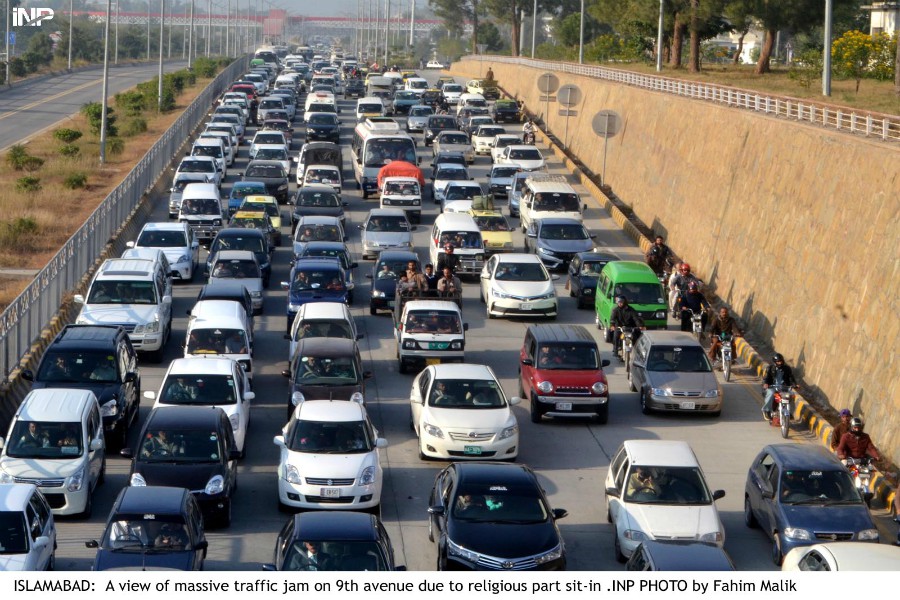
803, 456
432, 305
597, 256
656, 453
150, 500
463, 371
335, 525
325, 245
637, 272
131, 267
331, 411
234, 255
313, 188
158, 226
561, 333
560, 221
676, 556
14, 496
397, 255
219, 286
518, 258
271, 163
184, 417
326, 347
54, 404
218, 322
489, 473
240, 232
324, 310
390, 212
88, 336
212, 365
676, 338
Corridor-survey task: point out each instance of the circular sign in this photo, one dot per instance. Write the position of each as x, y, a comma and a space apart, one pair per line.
606, 123
548, 83
569, 95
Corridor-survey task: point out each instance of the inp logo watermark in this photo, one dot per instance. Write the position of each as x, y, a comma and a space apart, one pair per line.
31, 16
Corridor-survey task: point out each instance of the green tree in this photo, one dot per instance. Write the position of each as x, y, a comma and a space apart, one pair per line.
509, 12
455, 13
489, 36
39, 52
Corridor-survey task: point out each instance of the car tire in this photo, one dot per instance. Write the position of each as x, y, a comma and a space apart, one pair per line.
401, 366
630, 381
749, 520
88, 507
534, 411
422, 455
487, 310
777, 556
620, 557
225, 518
372, 310
603, 414
430, 529
645, 406
101, 478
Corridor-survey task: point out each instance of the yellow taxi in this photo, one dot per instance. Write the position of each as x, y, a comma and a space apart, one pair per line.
255, 219
269, 205
407, 74
495, 230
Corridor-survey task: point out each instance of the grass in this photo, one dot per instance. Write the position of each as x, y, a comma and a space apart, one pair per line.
57, 210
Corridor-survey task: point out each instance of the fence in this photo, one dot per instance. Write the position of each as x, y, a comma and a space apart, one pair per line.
21, 323
870, 124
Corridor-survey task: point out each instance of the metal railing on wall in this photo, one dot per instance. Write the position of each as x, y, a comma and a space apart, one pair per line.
844, 119
22, 321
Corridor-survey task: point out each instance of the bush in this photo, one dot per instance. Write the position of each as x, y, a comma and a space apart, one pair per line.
12, 231
204, 67
135, 126
115, 146
176, 80
93, 111
15, 156
75, 181
28, 184
132, 102
150, 90
17, 68
32, 163
67, 136
69, 150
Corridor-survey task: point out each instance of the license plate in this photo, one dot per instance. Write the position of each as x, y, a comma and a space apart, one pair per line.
472, 450
390, 304
688, 405
432, 361
330, 493
437, 346
525, 307
563, 406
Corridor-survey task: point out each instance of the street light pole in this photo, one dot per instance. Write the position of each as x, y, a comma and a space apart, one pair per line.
659, 36
533, 27
116, 60
191, 36
412, 22
162, 21
227, 28
105, 90
8, 9
826, 56
148, 30
581, 38
71, 20
208, 27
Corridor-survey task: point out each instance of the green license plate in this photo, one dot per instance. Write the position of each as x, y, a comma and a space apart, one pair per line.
472, 450
438, 345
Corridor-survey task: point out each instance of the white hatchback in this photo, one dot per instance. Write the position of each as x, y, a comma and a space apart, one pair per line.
459, 412
29, 531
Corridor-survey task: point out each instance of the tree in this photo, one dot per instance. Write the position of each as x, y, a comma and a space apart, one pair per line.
509, 12
854, 55
489, 36
39, 52
455, 13
737, 13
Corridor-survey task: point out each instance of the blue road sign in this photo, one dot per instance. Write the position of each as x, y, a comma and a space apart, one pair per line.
12, 38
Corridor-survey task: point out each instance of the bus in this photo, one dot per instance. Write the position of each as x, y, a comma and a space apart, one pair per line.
377, 142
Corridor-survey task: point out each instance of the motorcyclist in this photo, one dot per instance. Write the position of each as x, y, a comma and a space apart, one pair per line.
681, 281
693, 301
659, 256
724, 324
777, 373
623, 315
528, 132
841, 428
856, 443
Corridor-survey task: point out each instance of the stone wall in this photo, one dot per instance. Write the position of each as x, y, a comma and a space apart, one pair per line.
795, 226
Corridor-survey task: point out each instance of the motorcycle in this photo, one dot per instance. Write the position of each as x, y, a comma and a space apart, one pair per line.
528, 138
783, 399
697, 324
725, 354
861, 472
626, 335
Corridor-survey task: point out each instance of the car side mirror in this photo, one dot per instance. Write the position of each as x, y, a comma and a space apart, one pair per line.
234, 454
368, 374
515, 400
436, 510
767, 493
560, 513
353, 265
527, 362
285, 285
412, 227
149, 395
278, 440
269, 567
203, 545
465, 326
381, 443
718, 494
285, 373
554, 277
345, 204
584, 207
130, 377
400, 568
126, 452
593, 236
27, 375
287, 336
604, 363
531, 233
129, 244
611, 491
96, 444
78, 299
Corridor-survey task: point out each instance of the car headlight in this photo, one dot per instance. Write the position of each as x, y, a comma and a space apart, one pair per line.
292, 475
357, 397
283, 187
499, 294
662, 392
409, 344
635, 535
368, 476
235, 421
479, 257
543, 250
292, 308
137, 480
215, 485
183, 258
599, 388
711, 394
795, 533
660, 314
545, 386
76, 481
217, 222
152, 327
377, 294
109, 409
549, 556
6, 477
545, 296
433, 430
867, 534
509, 432
457, 345
256, 294
713, 537
457, 550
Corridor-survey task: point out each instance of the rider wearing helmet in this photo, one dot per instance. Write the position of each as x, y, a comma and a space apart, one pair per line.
693, 301
777, 373
856, 443
680, 283
623, 316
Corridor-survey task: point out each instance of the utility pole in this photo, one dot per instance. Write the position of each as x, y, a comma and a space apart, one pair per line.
162, 22
105, 90
208, 28
191, 36
148, 30
71, 20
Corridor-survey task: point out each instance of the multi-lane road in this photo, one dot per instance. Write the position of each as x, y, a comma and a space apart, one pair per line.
570, 457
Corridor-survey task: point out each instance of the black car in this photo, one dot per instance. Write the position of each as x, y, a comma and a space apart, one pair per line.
344, 541
431, 98
191, 447
228, 289
384, 282
99, 358
505, 110
272, 174
242, 238
326, 369
584, 270
152, 528
323, 127
354, 88
317, 200
494, 517
457, 158
437, 124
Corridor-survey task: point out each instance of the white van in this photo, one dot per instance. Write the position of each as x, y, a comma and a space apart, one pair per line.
470, 100
460, 230
370, 106
213, 309
213, 147
405, 193
201, 208
430, 332
56, 442
322, 319
225, 138
548, 196
221, 335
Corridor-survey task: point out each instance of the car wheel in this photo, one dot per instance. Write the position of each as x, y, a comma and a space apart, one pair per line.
777, 556
645, 406
606, 336
51, 564
372, 310
421, 454
487, 310
101, 479
88, 507
225, 517
431, 529
157, 355
282, 507
603, 414
620, 557
749, 520
401, 366
535, 411
609, 518
630, 380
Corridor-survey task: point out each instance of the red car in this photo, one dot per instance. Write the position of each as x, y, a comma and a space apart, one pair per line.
561, 373
247, 88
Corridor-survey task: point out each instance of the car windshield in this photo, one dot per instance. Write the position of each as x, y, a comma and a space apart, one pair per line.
462, 239
196, 166
433, 321
205, 390
339, 253
406, 96
568, 357
313, 370
268, 138
420, 111
321, 107
161, 239
391, 269
504, 142
452, 175
218, 340
78, 367
37, 439
564, 232
271, 171
333, 328
682, 359
122, 292
462, 192
369, 108
520, 272
272, 104
328, 437
402, 188
320, 233
489, 131
492, 223
338, 556
13, 534
319, 199
641, 293
200, 206
152, 533
498, 503
818, 488
269, 208
260, 222
252, 243
316, 279
666, 485
380, 152
548, 202
181, 446
236, 269
503, 172
466, 394
326, 119
451, 87
272, 154
525, 154
591, 269
214, 151
322, 156
442, 123
454, 138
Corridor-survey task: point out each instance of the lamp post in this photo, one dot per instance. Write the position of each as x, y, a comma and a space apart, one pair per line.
533, 27
116, 59
208, 27
8, 9
826, 55
105, 89
191, 36
581, 37
659, 36
412, 22
227, 27
162, 22
71, 20
148, 30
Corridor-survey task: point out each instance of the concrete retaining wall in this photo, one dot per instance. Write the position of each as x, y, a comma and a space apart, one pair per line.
796, 227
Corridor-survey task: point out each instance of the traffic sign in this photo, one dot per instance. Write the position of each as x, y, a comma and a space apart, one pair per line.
606, 123
547, 83
12, 38
548, 98
569, 95
568, 112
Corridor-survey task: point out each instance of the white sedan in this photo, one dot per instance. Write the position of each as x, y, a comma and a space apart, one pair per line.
518, 284
459, 412
843, 556
526, 157
433, 64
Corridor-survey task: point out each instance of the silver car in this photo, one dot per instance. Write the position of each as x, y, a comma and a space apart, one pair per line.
385, 229
454, 141
240, 264
670, 371
418, 118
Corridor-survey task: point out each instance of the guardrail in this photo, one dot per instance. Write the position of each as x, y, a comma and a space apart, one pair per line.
844, 119
21, 323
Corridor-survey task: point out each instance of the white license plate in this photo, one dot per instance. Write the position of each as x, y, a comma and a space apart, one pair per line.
525, 306
330, 493
688, 405
390, 304
563, 406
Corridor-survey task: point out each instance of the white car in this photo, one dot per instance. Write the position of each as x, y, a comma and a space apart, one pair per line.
323, 175
276, 152
502, 141
655, 490
200, 165
519, 285
527, 157
459, 411
433, 64
484, 136
178, 243
444, 175
452, 92
29, 530
460, 191
843, 556
330, 457
216, 382
267, 137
